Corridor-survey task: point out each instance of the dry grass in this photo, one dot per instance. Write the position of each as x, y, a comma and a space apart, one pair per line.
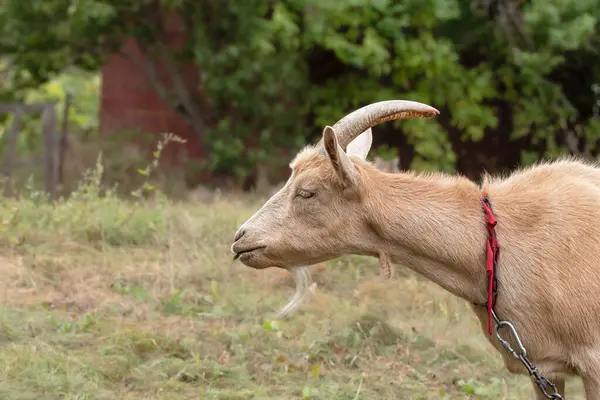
104, 299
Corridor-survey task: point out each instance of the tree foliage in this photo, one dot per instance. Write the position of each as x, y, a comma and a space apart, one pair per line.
515, 80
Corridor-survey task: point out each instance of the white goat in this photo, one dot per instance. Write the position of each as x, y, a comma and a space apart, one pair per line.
337, 203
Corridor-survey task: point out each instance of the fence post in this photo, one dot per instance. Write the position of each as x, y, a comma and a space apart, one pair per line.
11, 142
50, 134
64, 141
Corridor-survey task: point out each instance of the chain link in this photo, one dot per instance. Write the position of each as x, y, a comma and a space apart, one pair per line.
521, 354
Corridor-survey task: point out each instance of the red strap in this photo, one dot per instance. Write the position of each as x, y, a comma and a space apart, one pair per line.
492, 253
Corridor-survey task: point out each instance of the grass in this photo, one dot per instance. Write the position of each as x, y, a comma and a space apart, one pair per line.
102, 298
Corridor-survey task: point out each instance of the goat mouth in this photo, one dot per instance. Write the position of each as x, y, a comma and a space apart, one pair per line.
247, 252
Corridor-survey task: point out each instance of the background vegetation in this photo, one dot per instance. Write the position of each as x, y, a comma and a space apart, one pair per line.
515, 80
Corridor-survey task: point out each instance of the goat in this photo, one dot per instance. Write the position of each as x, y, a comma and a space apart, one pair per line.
390, 166
335, 203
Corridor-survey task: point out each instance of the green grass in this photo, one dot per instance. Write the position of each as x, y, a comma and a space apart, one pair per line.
102, 298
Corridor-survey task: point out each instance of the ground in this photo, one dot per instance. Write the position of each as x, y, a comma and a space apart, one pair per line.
107, 299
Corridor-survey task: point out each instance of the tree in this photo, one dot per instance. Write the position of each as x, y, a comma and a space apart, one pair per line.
514, 79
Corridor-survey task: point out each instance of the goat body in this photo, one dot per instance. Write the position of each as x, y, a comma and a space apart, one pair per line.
336, 203
548, 229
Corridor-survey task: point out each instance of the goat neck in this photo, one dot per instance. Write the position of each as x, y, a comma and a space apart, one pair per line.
433, 224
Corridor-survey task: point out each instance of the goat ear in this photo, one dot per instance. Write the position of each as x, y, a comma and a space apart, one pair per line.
361, 145
342, 164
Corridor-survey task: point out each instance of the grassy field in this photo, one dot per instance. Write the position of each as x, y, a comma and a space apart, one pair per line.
106, 299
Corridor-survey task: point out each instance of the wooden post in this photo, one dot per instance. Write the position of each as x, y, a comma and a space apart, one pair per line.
11, 142
10, 150
50, 134
64, 142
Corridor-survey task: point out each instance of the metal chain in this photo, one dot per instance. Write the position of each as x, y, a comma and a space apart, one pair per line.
543, 383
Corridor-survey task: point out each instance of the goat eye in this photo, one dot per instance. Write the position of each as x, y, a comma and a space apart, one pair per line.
304, 194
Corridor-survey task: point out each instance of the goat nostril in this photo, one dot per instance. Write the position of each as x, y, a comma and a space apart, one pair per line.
239, 234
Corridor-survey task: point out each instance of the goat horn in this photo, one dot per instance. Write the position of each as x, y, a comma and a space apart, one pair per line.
358, 121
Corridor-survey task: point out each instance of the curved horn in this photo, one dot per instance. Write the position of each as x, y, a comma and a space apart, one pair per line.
358, 121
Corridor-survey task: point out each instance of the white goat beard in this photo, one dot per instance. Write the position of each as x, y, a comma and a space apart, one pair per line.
303, 289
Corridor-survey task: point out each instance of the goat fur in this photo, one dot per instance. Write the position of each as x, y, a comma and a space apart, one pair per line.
548, 228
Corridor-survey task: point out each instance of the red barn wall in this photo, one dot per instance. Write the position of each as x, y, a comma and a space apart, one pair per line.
128, 101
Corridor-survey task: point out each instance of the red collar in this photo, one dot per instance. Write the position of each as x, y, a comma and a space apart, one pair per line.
492, 253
